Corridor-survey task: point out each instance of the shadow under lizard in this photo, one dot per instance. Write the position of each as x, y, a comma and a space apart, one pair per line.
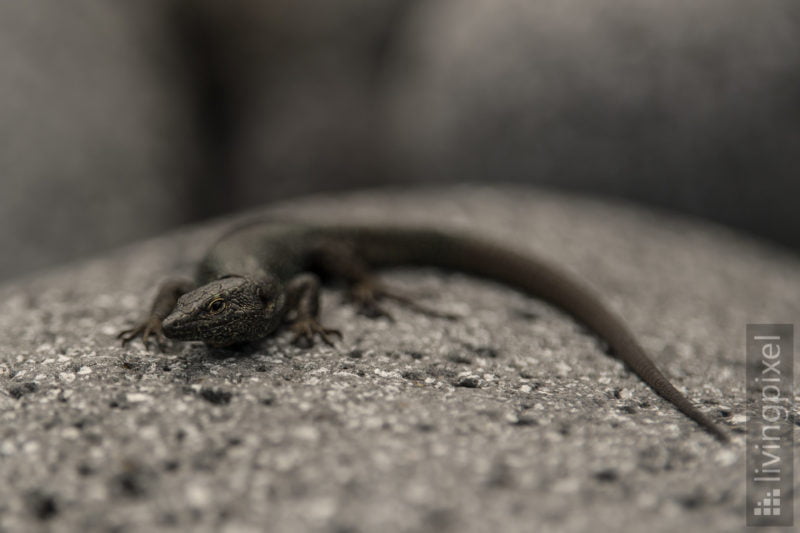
264, 274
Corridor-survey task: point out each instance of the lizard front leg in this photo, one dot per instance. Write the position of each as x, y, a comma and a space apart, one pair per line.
302, 310
164, 303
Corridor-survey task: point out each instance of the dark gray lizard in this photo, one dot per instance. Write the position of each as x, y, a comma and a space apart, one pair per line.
264, 274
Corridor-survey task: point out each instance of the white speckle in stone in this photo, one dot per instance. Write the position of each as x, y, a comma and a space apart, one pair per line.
647, 500
130, 301
373, 422
563, 369
626, 394
109, 330
322, 509
138, 397
7, 448
566, 486
67, 377
149, 433
307, 433
739, 419
726, 457
440, 449
97, 492
97, 453
31, 447
198, 495
70, 433
683, 349
84, 370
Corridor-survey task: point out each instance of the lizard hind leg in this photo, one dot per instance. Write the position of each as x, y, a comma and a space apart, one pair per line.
341, 260
368, 294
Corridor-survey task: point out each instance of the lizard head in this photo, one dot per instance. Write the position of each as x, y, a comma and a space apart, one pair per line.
227, 311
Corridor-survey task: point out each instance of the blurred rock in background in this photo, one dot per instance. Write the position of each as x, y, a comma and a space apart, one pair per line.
123, 119
96, 143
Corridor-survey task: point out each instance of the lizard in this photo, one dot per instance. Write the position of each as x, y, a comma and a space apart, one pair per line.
264, 274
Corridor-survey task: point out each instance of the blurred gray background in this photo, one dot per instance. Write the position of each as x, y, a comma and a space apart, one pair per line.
122, 119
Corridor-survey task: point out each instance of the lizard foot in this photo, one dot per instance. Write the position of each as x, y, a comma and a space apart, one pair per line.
368, 294
306, 329
147, 329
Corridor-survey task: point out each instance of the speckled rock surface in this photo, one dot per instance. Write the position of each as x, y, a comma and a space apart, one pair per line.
509, 419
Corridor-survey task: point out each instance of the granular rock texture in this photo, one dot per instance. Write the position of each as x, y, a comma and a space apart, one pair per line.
511, 418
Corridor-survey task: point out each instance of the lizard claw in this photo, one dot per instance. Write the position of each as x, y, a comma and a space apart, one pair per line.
305, 329
372, 309
147, 329
367, 296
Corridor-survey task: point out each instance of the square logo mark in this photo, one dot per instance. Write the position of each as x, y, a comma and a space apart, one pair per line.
770, 505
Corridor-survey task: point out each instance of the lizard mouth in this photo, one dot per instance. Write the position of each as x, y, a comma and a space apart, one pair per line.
183, 327
177, 326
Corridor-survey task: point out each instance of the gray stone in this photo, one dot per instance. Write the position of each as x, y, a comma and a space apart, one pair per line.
375, 434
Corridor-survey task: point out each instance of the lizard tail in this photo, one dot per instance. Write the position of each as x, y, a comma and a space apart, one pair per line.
535, 276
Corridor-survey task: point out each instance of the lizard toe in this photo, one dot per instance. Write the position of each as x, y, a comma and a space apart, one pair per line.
305, 330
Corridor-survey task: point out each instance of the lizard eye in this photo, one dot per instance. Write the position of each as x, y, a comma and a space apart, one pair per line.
216, 305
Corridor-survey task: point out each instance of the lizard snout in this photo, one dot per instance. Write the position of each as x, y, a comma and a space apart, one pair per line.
174, 326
